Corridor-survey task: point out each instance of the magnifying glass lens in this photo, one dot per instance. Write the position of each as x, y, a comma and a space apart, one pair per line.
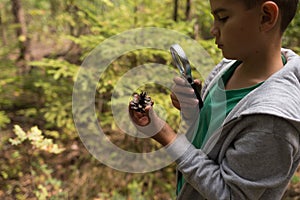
178, 63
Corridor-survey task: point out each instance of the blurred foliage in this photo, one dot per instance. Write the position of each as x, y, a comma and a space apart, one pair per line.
291, 37
4, 119
36, 138
50, 162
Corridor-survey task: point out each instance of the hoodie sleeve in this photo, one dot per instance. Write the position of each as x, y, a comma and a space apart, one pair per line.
259, 157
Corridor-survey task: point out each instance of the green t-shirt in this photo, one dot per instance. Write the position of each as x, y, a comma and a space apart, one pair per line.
217, 105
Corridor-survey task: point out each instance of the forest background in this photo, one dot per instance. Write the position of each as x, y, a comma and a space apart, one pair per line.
43, 43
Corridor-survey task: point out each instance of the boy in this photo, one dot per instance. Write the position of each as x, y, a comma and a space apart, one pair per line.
252, 150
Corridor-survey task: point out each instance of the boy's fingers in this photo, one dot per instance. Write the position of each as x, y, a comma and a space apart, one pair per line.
186, 90
183, 102
184, 98
175, 101
183, 95
182, 86
137, 117
198, 83
179, 80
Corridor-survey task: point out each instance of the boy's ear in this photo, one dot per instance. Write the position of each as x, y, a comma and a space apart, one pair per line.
269, 16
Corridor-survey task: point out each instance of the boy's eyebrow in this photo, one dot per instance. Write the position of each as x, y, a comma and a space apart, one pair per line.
218, 10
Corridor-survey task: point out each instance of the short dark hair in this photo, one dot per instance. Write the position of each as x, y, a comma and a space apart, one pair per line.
287, 9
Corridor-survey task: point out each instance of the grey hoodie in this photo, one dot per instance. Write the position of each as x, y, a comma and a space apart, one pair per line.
256, 151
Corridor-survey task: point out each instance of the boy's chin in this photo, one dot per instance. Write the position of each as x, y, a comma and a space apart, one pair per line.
229, 56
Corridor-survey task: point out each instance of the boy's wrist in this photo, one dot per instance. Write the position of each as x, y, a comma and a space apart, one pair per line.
165, 136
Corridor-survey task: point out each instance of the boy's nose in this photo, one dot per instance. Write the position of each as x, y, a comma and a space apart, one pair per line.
215, 31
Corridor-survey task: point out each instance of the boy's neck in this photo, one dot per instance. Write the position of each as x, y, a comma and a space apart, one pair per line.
263, 65
256, 69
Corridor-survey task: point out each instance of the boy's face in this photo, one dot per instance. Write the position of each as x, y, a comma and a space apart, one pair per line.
236, 28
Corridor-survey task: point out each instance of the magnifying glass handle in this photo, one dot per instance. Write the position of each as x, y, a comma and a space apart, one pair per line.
197, 93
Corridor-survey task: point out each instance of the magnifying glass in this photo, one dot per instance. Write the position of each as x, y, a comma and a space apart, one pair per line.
182, 63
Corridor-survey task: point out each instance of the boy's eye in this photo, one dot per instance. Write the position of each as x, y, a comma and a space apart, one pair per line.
222, 19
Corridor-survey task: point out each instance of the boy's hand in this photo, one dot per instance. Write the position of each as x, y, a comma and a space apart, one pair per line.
151, 125
147, 123
183, 95
140, 118
185, 100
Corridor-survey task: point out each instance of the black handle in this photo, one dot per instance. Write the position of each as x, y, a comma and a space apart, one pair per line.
197, 93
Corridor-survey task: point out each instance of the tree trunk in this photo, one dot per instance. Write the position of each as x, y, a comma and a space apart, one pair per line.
3, 32
55, 6
175, 12
21, 32
188, 9
196, 30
